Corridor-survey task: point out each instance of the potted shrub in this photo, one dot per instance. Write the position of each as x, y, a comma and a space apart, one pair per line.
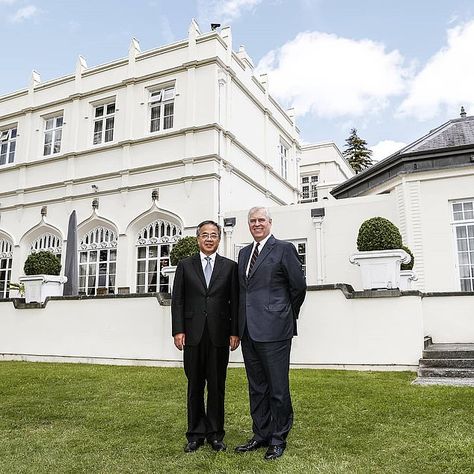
185, 247
407, 275
380, 254
42, 278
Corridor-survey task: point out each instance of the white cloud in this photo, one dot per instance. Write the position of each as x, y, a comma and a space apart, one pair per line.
331, 76
223, 11
446, 81
23, 14
385, 148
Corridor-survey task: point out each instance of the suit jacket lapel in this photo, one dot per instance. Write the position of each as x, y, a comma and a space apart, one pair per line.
263, 254
217, 268
198, 268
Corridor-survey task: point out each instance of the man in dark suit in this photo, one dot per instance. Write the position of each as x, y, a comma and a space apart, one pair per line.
204, 310
272, 290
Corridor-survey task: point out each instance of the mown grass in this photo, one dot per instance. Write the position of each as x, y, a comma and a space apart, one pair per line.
68, 418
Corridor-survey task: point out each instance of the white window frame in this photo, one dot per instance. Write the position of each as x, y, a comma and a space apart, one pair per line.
6, 259
100, 133
47, 242
283, 152
53, 129
462, 213
309, 187
8, 137
98, 261
161, 100
301, 246
154, 244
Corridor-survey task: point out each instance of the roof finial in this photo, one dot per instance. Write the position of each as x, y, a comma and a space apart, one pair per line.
463, 112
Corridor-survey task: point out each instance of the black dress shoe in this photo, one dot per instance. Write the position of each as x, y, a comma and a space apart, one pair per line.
274, 452
193, 446
217, 445
251, 445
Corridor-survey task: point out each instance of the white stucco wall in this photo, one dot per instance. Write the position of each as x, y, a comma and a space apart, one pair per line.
333, 331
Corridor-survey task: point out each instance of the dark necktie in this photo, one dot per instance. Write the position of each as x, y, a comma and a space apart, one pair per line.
254, 258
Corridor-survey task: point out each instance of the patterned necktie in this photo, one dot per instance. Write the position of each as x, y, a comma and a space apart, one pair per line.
254, 258
208, 271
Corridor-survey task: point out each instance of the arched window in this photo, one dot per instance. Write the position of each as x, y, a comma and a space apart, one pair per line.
97, 261
6, 254
154, 244
49, 242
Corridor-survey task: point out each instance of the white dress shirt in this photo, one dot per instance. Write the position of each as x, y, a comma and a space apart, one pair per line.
204, 261
260, 248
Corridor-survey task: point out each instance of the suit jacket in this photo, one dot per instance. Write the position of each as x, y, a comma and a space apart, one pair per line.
193, 303
271, 296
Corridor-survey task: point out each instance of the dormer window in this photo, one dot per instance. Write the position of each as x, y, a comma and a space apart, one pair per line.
104, 121
7, 145
161, 109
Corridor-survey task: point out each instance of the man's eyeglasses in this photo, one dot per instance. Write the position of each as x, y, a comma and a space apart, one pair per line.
206, 236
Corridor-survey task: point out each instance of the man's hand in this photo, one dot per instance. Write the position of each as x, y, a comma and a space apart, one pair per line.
234, 342
179, 340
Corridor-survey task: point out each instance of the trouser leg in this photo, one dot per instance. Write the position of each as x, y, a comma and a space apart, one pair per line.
259, 393
218, 358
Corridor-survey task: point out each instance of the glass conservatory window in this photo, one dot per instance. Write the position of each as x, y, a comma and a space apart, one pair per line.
463, 216
98, 261
154, 244
6, 254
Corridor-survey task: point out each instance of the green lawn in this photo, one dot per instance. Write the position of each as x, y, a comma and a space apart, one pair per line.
60, 418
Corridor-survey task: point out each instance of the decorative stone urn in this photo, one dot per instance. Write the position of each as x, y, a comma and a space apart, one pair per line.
406, 277
170, 272
39, 287
380, 269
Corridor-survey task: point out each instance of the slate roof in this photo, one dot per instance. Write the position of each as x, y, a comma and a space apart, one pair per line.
458, 132
451, 145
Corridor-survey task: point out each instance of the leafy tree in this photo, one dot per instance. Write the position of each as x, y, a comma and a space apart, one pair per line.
357, 153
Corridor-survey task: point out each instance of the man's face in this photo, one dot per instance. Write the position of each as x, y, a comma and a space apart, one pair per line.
208, 239
259, 225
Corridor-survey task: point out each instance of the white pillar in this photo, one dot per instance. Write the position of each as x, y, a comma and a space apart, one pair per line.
318, 223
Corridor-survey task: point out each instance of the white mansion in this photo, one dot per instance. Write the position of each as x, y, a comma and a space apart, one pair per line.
144, 148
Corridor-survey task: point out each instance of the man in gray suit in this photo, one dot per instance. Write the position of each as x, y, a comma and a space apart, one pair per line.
272, 290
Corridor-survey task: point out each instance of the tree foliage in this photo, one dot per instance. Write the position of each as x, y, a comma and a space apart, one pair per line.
357, 153
42, 263
185, 247
378, 233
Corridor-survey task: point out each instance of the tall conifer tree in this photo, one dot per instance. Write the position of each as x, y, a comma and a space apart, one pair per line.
357, 153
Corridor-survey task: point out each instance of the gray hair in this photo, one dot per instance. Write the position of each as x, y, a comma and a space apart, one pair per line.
259, 208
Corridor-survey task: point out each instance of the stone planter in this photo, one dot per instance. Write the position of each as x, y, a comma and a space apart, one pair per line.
39, 287
380, 269
406, 277
170, 272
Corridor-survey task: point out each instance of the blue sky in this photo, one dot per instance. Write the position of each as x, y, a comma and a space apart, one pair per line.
392, 69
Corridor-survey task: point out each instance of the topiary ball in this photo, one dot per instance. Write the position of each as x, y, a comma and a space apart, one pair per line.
42, 263
378, 233
408, 266
185, 247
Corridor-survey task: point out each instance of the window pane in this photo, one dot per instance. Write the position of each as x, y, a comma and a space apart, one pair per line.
141, 266
59, 121
113, 255
461, 232
458, 216
468, 206
141, 252
457, 207
153, 251
462, 244
463, 258
99, 111
102, 280
466, 285
110, 108
140, 278
83, 257
93, 256
464, 271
